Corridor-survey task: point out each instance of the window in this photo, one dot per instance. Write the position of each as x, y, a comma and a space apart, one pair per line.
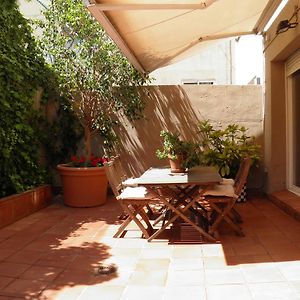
196, 81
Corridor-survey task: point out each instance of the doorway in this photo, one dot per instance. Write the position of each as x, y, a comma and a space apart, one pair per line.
293, 122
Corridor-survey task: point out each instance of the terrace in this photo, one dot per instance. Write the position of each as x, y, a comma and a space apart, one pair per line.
55, 254
58, 252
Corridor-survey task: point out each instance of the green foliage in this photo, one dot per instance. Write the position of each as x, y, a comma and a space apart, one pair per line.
174, 146
21, 69
91, 71
61, 136
224, 148
23, 130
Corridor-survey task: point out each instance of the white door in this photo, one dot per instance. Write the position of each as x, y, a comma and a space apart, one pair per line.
293, 122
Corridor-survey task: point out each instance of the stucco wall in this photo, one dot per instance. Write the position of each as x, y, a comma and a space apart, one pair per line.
278, 48
181, 108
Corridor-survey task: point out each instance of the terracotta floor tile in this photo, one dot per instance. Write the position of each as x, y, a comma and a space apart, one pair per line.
5, 233
282, 248
290, 271
58, 292
188, 251
41, 273
248, 259
215, 262
10, 269
120, 278
148, 278
10, 298
122, 263
25, 288
126, 252
228, 292
80, 277
69, 245
183, 292
186, 264
105, 292
5, 253
224, 276
271, 291
212, 250
94, 249
185, 278
15, 244
53, 259
82, 262
248, 249
145, 264
4, 281
147, 292
285, 257
41, 246
130, 243
24, 256
262, 273
296, 286
156, 253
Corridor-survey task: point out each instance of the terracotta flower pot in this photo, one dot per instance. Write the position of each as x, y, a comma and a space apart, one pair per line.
177, 165
83, 187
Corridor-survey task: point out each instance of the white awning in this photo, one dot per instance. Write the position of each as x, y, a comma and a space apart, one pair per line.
153, 34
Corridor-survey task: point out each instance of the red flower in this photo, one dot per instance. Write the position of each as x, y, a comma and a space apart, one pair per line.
73, 158
93, 161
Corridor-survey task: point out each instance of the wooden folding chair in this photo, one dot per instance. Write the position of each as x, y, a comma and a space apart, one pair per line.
132, 199
222, 198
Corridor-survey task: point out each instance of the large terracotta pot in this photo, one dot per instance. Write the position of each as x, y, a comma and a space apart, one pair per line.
83, 187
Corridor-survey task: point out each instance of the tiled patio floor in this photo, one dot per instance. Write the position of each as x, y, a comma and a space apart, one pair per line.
53, 254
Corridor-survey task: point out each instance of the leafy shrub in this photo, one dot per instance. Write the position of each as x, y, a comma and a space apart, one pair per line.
224, 148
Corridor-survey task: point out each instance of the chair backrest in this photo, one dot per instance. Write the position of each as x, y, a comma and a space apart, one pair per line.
115, 174
242, 174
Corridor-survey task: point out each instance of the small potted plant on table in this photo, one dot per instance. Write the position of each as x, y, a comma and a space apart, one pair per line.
181, 154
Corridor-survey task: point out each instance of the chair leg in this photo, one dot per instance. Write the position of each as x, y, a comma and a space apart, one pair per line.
235, 227
224, 214
132, 216
122, 227
236, 216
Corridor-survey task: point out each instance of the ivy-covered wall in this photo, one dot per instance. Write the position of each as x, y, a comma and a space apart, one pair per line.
22, 71
30, 144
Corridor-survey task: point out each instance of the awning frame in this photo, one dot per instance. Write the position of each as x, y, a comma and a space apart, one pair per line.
99, 12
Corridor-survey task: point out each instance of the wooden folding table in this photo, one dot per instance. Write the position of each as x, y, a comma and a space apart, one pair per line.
180, 193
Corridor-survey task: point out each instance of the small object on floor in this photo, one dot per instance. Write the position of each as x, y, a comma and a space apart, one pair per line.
104, 269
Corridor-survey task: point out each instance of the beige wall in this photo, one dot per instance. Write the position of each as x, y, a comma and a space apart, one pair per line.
181, 108
278, 48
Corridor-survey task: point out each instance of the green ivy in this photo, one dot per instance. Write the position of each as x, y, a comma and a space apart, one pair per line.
20, 68
23, 129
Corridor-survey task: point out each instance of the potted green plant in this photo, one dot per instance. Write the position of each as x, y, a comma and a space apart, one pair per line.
98, 82
181, 154
224, 148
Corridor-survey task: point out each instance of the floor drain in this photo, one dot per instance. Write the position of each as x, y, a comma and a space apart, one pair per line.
105, 269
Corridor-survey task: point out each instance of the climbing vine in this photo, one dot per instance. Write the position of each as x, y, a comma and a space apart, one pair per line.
23, 129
